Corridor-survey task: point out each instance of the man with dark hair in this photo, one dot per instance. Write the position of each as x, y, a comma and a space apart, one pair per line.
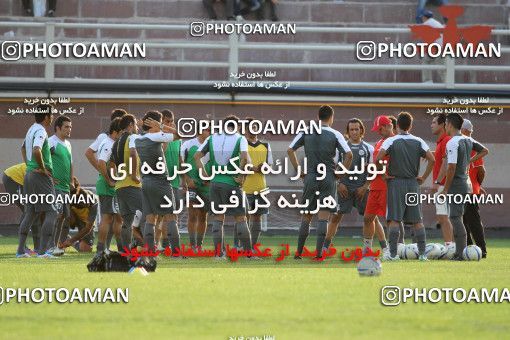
173, 164
325, 113
471, 218
38, 180
376, 200
405, 151
91, 151
394, 123
13, 180
91, 155
222, 148
118, 113
83, 217
157, 195
62, 159
128, 188
402, 230
198, 190
320, 151
260, 154
438, 176
353, 190
105, 189
458, 151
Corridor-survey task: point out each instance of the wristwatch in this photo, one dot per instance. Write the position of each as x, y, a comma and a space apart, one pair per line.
161, 126
437, 182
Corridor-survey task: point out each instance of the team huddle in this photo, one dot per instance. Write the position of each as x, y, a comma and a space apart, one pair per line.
141, 208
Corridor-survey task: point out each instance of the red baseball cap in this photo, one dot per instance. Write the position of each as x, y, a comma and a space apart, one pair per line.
380, 121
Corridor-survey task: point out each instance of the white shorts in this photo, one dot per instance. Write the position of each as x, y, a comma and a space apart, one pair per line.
441, 209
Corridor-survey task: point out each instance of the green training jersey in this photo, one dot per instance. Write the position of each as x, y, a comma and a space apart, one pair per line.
37, 137
62, 159
172, 160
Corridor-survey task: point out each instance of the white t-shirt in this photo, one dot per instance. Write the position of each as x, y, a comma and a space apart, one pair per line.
97, 142
105, 149
35, 138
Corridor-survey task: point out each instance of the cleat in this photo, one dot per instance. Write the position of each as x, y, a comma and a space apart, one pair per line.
385, 254
46, 256
55, 251
254, 258
395, 258
457, 258
220, 258
297, 257
23, 255
30, 251
423, 258
386, 257
58, 251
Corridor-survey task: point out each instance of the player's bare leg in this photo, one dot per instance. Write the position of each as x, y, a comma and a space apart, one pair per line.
446, 228
117, 230
81, 234
158, 233
137, 235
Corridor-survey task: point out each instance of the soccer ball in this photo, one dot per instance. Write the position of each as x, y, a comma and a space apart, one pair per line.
400, 250
442, 248
369, 266
433, 251
411, 251
472, 253
448, 253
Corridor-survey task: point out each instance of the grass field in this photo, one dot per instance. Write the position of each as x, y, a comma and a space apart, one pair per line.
202, 298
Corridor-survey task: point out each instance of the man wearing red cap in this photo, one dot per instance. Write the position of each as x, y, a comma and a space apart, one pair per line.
376, 202
405, 151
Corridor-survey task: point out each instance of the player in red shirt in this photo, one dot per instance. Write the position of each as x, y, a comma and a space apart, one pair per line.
471, 218
439, 176
376, 202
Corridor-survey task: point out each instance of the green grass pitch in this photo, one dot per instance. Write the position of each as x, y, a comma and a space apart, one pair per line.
207, 299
